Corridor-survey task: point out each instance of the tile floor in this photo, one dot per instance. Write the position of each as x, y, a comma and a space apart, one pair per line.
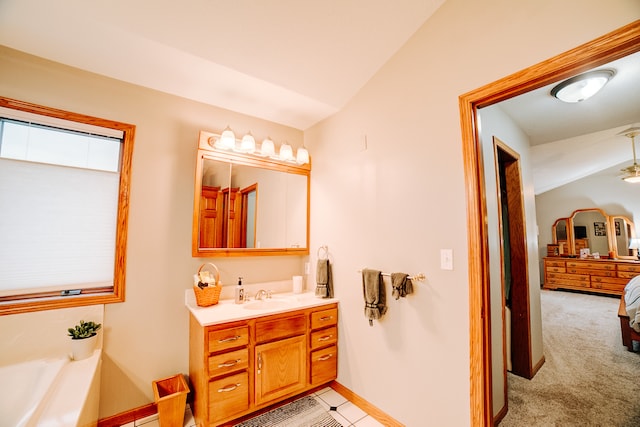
346, 413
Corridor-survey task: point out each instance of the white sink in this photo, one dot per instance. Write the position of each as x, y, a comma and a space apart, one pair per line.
267, 304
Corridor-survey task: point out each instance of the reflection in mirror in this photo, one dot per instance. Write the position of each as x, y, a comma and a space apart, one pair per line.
559, 233
248, 205
623, 232
590, 231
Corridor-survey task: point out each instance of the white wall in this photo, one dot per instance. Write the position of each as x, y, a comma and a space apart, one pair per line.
388, 193
495, 123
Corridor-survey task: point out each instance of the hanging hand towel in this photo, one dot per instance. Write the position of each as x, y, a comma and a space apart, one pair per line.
324, 279
375, 300
401, 285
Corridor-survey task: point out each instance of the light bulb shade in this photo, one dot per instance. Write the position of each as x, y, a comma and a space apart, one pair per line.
302, 156
267, 148
248, 144
286, 152
634, 243
582, 87
227, 140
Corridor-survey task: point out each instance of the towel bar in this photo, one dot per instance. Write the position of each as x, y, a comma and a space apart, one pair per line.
419, 277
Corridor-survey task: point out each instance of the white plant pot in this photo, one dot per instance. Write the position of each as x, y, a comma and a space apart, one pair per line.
83, 348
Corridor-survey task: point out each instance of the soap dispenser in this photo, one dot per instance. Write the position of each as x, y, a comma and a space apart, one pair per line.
239, 292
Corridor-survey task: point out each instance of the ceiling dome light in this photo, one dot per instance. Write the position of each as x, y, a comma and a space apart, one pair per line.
583, 86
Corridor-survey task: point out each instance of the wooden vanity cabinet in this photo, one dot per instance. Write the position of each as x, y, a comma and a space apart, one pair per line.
237, 368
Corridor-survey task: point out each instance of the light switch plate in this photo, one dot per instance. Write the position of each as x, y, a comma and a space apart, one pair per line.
307, 268
446, 259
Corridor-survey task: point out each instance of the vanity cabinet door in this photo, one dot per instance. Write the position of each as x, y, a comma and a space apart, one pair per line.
280, 368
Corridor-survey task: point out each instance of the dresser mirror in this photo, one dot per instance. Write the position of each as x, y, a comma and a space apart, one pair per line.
595, 230
246, 205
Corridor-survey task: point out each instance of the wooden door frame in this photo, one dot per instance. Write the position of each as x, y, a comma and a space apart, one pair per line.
612, 46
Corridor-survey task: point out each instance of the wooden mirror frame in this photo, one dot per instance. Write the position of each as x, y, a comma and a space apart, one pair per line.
612, 237
207, 151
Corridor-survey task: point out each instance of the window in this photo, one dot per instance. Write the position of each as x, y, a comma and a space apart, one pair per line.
64, 191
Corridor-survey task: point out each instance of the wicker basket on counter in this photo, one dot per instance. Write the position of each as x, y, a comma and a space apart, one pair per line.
208, 295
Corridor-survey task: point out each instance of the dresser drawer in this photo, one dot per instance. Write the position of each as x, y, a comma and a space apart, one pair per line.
571, 277
225, 363
324, 337
553, 263
627, 274
320, 319
224, 339
556, 269
591, 265
614, 280
324, 365
228, 396
629, 267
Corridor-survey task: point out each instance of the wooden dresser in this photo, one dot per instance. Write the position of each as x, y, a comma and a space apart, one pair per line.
590, 275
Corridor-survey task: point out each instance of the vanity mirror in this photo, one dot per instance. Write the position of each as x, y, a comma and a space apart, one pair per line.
595, 230
247, 205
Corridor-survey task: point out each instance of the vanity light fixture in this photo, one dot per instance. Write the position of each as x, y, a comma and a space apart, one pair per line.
227, 140
582, 86
267, 149
632, 173
302, 156
286, 152
248, 144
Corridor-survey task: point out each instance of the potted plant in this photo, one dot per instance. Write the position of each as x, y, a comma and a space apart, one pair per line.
83, 339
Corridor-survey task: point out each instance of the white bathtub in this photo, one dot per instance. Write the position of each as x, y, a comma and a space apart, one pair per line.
50, 393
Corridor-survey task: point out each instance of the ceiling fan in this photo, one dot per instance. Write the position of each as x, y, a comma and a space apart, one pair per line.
631, 173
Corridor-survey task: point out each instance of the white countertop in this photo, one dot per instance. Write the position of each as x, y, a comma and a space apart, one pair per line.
228, 311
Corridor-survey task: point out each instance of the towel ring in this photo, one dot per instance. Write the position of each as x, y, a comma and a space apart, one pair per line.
325, 249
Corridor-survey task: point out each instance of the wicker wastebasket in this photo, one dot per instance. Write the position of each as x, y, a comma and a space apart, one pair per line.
170, 395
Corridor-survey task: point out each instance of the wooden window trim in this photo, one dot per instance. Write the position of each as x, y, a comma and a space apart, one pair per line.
90, 297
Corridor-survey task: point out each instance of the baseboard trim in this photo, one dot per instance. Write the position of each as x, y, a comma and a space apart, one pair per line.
361, 403
538, 365
128, 416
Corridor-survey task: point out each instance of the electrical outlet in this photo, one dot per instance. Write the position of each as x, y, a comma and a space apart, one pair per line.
307, 268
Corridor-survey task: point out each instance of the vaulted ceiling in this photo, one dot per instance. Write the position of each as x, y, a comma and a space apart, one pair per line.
296, 63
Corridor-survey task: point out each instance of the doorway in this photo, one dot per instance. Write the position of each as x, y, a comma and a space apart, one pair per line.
609, 47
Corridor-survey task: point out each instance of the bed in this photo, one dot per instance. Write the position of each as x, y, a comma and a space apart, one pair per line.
629, 313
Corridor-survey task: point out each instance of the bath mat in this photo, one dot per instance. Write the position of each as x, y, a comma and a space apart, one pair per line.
305, 412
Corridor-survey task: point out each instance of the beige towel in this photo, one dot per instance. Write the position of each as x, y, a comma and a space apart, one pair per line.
401, 285
375, 300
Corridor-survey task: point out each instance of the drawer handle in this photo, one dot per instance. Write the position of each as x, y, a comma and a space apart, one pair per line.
326, 357
325, 318
325, 338
228, 388
229, 363
230, 339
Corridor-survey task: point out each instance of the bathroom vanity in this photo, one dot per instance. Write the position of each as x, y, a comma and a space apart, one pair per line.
245, 357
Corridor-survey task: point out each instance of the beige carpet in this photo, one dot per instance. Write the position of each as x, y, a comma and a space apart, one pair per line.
589, 378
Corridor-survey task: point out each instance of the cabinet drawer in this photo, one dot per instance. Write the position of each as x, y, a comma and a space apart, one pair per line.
605, 286
324, 337
320, 319
269, 330
629, 267
228, 396
556, 269
553, 263
228, 338
225, 363
324, 365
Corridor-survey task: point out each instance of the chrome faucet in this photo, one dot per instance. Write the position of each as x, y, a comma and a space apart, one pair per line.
261, 294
